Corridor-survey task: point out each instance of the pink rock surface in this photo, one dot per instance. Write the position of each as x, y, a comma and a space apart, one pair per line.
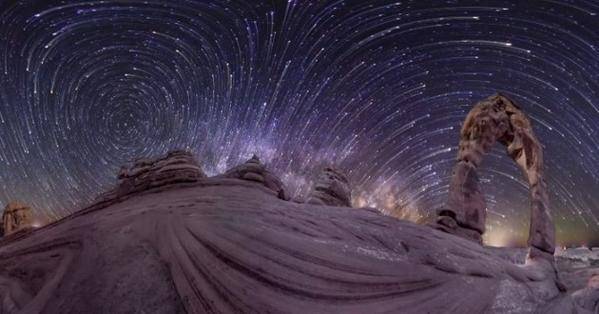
224, 245
331, 188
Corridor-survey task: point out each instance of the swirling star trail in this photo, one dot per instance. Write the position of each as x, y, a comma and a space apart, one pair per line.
378, 88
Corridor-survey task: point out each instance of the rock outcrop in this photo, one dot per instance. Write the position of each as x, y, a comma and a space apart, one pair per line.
331, 188
234, 244
497, 119
588, 298
16, 217
231, 246
177, 166
253, 170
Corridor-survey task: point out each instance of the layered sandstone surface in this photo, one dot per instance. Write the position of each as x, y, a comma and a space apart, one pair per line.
225, 245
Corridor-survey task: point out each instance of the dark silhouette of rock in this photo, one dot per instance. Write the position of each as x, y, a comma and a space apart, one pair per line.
253, 170
497, 119
331, 188
16, 217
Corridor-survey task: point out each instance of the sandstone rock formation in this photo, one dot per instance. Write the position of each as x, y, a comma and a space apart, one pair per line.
16, 217
253, 170
588, 298
177, 166
583, 301
497, 119
331, 188
226, 245
233, 244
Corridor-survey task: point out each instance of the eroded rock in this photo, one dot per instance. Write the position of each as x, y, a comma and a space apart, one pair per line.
176, 166
588, 298
497, 119
16, 217
222, 246
254, 170
331, 188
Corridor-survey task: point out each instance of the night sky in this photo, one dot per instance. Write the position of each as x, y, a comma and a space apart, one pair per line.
378, 88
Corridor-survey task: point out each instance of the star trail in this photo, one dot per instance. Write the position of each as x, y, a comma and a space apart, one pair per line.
378, 88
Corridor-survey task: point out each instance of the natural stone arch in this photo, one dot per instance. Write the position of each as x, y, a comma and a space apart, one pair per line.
496, 119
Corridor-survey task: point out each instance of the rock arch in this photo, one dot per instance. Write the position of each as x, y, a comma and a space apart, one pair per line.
497, 119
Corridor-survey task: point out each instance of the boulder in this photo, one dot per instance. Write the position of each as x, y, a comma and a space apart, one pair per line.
176, 166
587, 299
254, 170
331, 188
16, 217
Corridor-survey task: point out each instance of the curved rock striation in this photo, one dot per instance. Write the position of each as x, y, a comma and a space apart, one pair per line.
231, 246
497, 119
331, 188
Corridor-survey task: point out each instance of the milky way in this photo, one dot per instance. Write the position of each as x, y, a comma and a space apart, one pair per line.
377, 88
